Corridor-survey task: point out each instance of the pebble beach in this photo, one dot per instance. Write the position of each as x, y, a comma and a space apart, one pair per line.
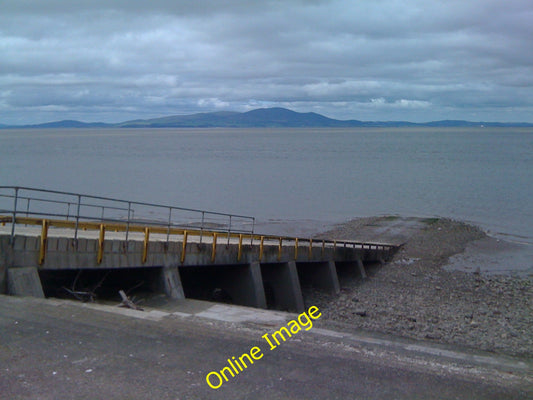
415, 296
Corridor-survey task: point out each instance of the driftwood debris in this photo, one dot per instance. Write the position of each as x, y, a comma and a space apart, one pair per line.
87, 295
126, 302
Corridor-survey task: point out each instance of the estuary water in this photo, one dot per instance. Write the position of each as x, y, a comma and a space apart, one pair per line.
480, 175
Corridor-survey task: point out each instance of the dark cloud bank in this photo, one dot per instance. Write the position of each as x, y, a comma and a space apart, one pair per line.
380, 60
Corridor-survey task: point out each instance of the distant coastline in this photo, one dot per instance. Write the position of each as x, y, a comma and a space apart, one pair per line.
259, 118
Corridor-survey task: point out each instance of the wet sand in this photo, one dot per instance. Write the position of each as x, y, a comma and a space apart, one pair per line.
493, 256
439, 287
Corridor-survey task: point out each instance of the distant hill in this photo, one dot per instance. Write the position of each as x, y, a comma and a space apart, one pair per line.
281, 117
201, 120
61, 124
73, 124
259, 118
263, 117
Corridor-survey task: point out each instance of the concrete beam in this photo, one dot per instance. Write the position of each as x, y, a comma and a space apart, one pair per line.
24, 282
282, 286
321, 275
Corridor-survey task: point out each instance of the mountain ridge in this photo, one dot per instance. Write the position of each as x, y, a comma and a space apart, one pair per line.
275, 117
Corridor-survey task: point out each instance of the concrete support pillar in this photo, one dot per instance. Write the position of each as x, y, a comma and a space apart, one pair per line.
361, 268
24, 282
171, 282
282, 286
5, 249
235, 284
244, 284
3, 277
320, 275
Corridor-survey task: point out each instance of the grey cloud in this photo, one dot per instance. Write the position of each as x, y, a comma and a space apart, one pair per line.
159, 57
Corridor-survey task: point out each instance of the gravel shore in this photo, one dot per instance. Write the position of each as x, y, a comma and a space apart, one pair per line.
415, 297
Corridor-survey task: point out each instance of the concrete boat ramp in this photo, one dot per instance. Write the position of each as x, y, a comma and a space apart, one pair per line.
48, 238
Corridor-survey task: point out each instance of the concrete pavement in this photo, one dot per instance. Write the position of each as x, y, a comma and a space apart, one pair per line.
58, 349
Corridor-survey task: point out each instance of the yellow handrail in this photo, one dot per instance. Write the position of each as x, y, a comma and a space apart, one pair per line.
101, 238
145, 243
214, 251
239, 253
261, 248
184, 248
44, 236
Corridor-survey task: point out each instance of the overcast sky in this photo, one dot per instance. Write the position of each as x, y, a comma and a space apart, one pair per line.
105, 60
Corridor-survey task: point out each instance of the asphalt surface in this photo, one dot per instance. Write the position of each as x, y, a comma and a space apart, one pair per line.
57, 349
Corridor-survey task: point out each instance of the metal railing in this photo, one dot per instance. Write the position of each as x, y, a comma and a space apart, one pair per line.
75, 212
18, 201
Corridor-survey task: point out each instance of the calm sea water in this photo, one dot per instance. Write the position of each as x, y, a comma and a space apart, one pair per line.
484, 176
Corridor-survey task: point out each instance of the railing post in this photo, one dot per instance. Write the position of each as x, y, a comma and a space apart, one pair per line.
229, 229
253, 229
184, 247
77, 218
14, 216
239, 253
202, 226
101, 238
261, 248
214, 248
169, 222
128, 221
44, 240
